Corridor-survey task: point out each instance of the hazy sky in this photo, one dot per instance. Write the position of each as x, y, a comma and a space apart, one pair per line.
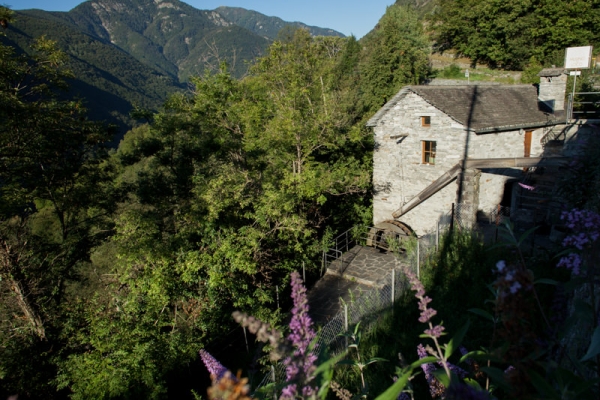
355, 17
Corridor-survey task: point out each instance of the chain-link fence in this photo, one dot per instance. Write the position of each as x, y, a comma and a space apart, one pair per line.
367, 303
462, 216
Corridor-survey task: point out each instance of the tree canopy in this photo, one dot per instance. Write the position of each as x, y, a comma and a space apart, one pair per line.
506, 34
121, 265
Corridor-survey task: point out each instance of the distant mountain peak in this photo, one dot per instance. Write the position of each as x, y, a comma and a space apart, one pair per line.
218, 19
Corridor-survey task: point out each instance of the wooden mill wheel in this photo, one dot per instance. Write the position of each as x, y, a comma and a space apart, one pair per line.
387, 232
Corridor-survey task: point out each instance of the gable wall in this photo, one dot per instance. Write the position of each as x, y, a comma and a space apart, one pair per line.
399, 175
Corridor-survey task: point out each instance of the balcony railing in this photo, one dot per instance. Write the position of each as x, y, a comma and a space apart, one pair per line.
584, 105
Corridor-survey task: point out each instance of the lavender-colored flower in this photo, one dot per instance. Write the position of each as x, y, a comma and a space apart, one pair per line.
403, 396
461, 373
500, 266
515, 287
436, 331
436, 389
461, 391
215, 368
426, 312
528, 187
510, 280
300, 366
585, 226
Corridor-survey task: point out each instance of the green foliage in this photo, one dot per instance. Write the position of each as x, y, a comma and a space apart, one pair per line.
224, 193
110, 79
397, 54
530, 73
452, 71
52, 173
506, 34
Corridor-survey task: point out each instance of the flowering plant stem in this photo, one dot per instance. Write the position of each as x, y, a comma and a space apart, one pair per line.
522, 266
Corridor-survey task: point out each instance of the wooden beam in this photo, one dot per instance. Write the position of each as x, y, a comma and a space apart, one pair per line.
478, 163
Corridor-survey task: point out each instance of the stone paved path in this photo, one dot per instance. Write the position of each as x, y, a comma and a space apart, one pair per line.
360, 270
366, 265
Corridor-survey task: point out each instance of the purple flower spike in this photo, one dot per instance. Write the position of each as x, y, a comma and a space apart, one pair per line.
585, 226
426, 312
214, 367
436, 389
300, 366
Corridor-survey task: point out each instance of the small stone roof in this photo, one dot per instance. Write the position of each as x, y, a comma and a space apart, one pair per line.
551, 72
481, 108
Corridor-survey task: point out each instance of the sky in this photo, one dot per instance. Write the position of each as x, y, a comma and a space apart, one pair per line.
356, 17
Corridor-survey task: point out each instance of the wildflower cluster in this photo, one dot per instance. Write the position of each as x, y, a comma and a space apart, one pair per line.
585, 227
436, 389
215, 368
301, 365
426, 312
264, 333
511, 279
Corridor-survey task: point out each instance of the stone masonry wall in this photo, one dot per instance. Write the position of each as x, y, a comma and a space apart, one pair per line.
552, 91
398, 172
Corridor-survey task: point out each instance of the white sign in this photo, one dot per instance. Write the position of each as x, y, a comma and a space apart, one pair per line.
575, 73
578, 57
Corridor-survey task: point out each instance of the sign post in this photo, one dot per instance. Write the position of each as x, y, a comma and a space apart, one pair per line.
577, 58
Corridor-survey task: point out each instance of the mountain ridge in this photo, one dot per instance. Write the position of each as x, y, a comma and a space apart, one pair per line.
135, 53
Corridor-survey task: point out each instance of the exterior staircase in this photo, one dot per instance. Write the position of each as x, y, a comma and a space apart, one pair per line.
541, 204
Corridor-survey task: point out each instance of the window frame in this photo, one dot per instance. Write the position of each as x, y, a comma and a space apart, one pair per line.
428, 152
425, 121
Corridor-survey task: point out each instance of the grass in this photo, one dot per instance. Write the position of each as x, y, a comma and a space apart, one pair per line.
481, 74
462, 263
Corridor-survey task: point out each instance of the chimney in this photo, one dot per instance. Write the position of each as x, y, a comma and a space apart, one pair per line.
553, 85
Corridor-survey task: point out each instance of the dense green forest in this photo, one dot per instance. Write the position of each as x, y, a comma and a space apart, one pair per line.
118, 266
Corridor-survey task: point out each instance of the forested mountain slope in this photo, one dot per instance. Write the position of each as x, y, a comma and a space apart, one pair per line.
170, 36
176, 38
109, 79
266, 26
134, 53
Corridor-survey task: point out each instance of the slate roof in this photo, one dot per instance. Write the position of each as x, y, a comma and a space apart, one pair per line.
482, 108
550, 72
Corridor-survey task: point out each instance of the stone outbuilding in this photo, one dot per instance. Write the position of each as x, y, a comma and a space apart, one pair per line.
436, 146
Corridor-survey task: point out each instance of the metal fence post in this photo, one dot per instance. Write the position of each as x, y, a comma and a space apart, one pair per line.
346, 323
303, 273
246, 340
393, 288
418, 261
274, 381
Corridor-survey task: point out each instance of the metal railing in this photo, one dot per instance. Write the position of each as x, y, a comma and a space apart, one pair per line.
585, 105
341, 252
342, 245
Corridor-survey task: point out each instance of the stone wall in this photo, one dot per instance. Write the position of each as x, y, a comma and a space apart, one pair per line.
399, 174
552, 91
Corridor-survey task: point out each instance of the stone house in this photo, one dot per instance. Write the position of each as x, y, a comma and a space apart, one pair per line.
436, 146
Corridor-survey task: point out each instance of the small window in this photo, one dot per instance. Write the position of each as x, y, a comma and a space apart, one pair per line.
426, 121
428, 152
